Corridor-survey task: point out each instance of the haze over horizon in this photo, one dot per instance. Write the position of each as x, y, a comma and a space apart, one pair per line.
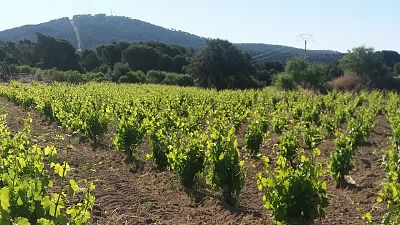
336, 25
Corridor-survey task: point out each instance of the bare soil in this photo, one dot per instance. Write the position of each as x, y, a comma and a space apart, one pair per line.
140, 194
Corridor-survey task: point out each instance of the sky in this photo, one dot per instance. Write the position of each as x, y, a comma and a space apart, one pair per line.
335, 24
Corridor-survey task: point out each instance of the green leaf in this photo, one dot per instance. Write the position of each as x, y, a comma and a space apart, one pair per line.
5, 199
21, 221
43, 221
74, 186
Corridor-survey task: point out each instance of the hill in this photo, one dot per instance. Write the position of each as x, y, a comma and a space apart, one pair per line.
91, 31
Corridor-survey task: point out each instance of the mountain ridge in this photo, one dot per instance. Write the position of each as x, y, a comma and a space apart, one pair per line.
91, 31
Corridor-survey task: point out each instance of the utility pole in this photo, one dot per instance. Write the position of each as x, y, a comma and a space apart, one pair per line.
305, 38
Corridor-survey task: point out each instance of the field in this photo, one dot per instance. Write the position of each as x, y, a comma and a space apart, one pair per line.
169, 155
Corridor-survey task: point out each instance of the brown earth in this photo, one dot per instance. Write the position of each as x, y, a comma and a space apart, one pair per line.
140, 194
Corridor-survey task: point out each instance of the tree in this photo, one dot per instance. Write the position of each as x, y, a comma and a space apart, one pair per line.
389, 58
111, 54
89, 60
221, 65
120, 69
397, 68
265, 71
54, 53
364, 62
298, 71
334, 70
180, 61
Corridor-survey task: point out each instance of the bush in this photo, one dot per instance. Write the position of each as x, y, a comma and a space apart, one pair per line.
347, 83
120, 69
169, 78
133, 77
25, 69
54, 75
284, 80
177, 79
387, 83
155, 76
94, 76
73, 77
299, 72
185, 80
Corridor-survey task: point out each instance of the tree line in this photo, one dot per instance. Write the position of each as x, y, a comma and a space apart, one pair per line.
219, 64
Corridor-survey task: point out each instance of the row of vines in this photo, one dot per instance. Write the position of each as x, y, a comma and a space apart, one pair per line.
194, 133
34, 188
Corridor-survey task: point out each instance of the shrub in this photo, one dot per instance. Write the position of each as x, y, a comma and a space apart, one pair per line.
73, 77
133, 77
155, 76
387, 83
347, 83
54, 75
177, 79
284, 80
25, 69
169, 78
120, 69
94, 76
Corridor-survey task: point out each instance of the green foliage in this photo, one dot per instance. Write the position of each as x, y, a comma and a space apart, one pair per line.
129, 135
279, 119
120, 70
397, 68
295, 195
133, 77
73, 77
299, 72
26, 69
255, 133
284, 81
5, 71
54, 75
89, 60
311, 135
358, 129
177, 79
289, 145
363, 61
342, 161
54, 53
160, 142
143, 57
27, 185
221, 65
224, 169
188, 157
390, 193
155, 76
193, 131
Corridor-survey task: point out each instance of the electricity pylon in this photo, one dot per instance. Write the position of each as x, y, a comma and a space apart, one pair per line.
305, 38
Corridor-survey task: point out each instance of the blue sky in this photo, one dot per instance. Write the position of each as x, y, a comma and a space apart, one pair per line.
335, 24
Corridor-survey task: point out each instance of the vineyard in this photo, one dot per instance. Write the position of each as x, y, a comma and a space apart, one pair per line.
255, 156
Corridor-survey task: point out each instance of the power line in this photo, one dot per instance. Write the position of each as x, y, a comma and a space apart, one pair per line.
273, 55
270, 52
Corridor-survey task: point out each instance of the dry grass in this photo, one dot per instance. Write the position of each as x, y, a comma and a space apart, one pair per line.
348, 83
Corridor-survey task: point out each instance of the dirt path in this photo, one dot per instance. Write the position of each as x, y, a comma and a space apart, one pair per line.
140, 194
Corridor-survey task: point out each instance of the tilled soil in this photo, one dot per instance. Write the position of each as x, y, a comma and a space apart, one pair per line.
140, 194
